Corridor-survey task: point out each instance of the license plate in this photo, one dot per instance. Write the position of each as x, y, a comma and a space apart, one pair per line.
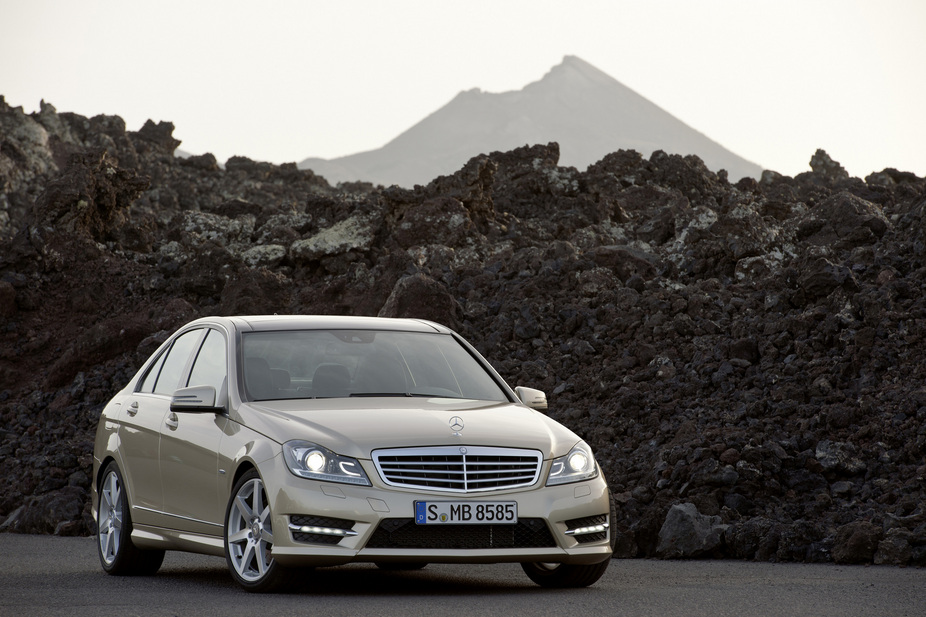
466, 512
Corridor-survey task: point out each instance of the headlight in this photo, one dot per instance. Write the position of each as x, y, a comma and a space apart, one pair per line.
308, 460
576, 466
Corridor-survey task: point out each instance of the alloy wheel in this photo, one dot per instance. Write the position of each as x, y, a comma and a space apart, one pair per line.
250, 535
110, 518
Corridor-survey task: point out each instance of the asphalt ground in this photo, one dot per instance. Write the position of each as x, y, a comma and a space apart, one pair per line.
45, 575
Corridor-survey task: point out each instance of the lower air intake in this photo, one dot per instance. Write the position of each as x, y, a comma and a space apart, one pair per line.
404, 533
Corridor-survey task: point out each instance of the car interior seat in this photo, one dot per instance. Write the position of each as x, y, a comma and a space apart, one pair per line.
331, 380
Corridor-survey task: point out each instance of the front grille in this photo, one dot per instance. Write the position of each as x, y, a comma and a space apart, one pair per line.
404, 533
318, 521
458, 469
588, 521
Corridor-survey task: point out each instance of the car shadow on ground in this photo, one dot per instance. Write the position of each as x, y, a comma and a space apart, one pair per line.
368, 580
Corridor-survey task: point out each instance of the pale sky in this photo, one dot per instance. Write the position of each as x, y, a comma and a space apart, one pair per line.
280, 81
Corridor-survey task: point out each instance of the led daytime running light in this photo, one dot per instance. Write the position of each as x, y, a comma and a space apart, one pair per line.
580, 531
322, 531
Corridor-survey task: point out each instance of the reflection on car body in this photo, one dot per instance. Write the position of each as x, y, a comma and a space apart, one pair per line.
282, 442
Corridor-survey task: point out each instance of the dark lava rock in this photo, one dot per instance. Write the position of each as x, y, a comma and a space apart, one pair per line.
857, 542
443, 221
745, 360
421, 296
688, 533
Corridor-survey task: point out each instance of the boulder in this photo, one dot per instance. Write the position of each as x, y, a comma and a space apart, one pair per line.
894, 549
352, 234
856, 542
421, 297
688, 533
443, 221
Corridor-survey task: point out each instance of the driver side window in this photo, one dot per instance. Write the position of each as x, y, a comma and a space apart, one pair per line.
168, 379
209, 366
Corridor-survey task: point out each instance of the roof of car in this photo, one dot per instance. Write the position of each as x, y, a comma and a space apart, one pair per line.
332, 322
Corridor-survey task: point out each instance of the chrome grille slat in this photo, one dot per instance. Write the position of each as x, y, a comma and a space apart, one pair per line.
415, 467
500, 469
424, 479
445, 468
506, 479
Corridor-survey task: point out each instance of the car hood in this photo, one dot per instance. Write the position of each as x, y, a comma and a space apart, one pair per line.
357, 426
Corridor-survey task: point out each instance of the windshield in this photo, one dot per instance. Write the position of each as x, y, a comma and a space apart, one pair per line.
343, 363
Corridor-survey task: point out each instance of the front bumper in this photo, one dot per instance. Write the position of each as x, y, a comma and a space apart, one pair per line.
325, 524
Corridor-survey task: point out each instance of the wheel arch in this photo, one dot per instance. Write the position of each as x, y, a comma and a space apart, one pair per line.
98, 482
243, 467
102, 469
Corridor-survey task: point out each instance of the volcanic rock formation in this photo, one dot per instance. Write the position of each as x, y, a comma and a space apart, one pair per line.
746, 360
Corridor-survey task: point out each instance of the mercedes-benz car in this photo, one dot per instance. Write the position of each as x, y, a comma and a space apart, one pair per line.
285, 442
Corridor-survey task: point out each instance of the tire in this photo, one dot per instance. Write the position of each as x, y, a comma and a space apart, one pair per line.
249, 538
397, 566
118, 555
560, 575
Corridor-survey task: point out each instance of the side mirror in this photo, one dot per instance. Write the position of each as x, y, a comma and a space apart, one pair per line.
195, 399
535, 399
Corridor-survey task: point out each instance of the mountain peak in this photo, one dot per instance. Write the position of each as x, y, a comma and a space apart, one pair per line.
588, 112
577, 63
574, 69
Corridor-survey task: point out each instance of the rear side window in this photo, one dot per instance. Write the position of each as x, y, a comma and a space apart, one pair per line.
168, 380
152, 376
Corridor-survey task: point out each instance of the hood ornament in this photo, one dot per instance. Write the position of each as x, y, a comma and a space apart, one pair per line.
456, 424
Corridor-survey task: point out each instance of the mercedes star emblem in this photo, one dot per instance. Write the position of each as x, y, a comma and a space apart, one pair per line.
456, 423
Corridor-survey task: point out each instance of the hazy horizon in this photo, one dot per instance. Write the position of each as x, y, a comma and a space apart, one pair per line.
770, 81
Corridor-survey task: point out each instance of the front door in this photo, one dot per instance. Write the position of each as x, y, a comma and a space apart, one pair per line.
190, 445
141, 425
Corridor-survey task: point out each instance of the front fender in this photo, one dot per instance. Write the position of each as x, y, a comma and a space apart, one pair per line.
242, 449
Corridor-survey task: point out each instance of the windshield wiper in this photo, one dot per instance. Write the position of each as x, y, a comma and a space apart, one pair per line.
402, 394
383, 394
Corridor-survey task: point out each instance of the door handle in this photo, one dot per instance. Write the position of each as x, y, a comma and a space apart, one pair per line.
133, 409
172, 421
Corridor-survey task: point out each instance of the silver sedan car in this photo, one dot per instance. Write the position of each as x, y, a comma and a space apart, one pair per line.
284, 442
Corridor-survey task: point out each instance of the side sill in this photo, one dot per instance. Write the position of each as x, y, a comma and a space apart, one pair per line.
144, 536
